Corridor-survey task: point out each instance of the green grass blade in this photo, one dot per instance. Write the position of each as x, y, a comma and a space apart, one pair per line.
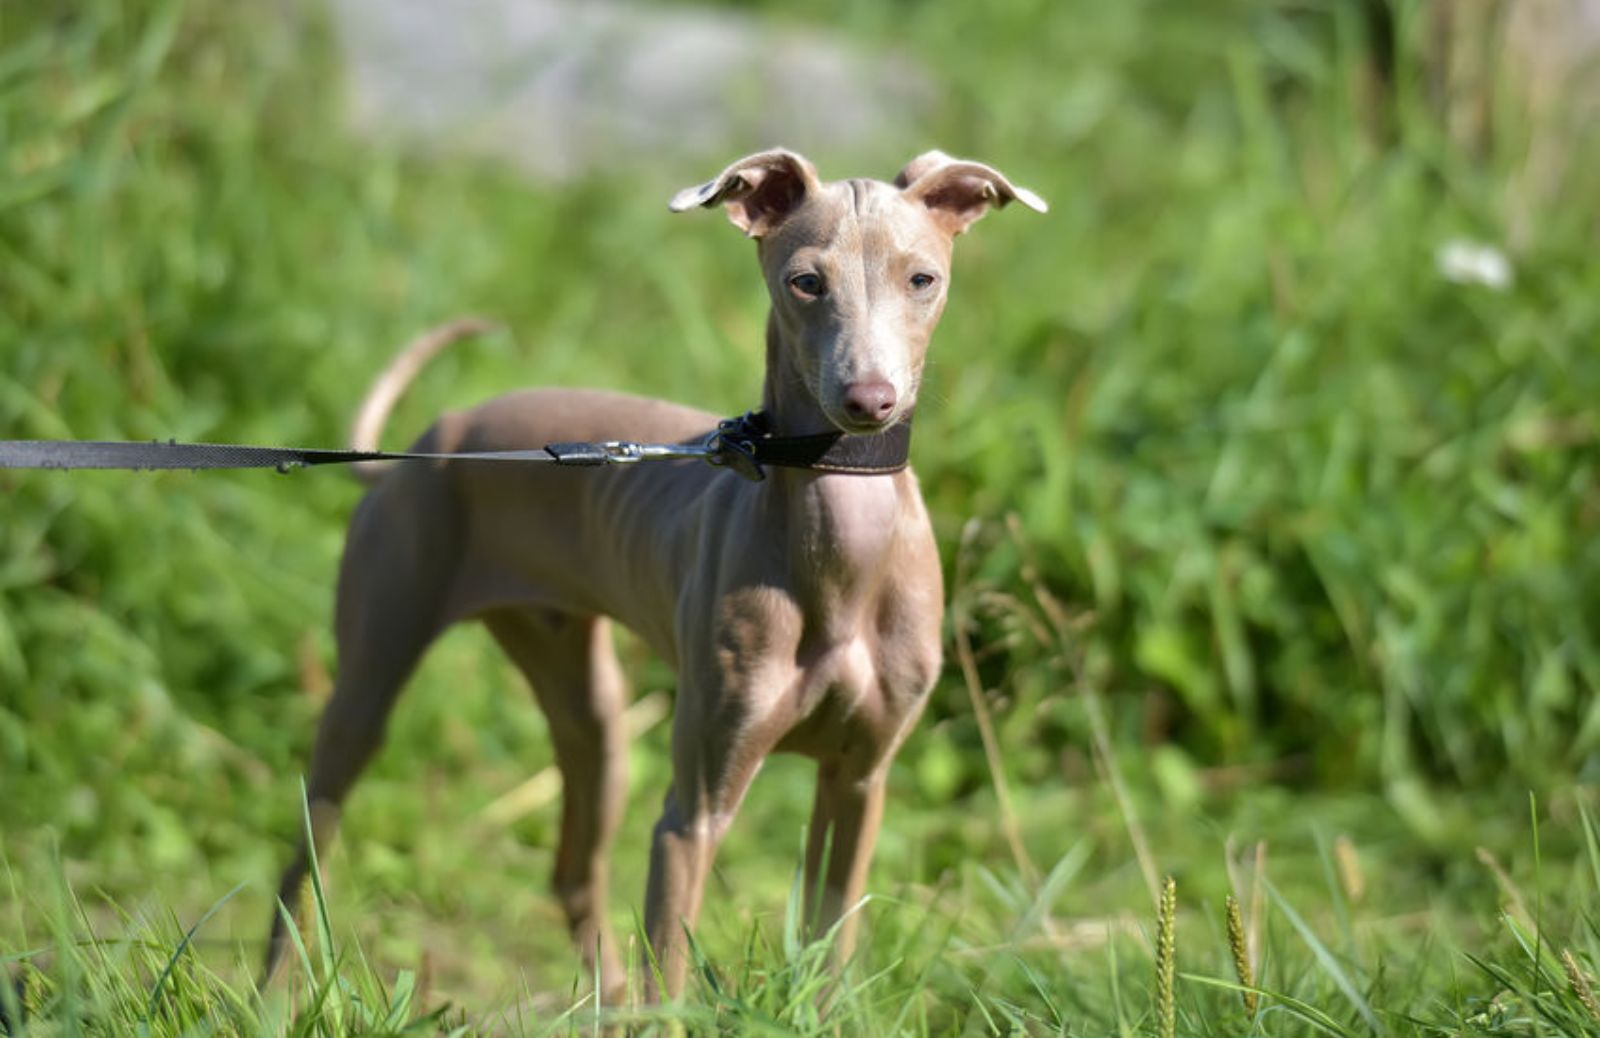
177, 953
1325, 959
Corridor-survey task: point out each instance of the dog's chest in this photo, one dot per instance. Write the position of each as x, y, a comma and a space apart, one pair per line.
859, 661
833, 644
845, 538
852, 697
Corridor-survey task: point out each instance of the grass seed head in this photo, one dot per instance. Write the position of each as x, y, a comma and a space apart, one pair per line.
1580, 984
1166, 958
1241, 955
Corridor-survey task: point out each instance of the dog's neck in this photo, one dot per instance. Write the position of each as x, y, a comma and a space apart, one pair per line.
788, 401
841, 529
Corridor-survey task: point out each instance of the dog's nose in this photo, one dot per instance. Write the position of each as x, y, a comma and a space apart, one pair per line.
869, 401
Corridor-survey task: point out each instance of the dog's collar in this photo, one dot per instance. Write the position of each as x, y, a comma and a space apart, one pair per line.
746, 443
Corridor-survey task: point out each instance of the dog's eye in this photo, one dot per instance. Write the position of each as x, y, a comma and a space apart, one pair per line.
806, 284
922, 281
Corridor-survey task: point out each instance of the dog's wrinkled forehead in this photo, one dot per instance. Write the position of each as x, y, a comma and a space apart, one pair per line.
869, 214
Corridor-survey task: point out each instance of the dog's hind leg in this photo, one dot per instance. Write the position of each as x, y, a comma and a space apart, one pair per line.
393, 586
571, 664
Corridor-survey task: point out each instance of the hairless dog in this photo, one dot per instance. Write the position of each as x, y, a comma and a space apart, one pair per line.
801, 612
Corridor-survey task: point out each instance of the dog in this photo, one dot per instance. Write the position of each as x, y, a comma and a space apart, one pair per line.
801, 612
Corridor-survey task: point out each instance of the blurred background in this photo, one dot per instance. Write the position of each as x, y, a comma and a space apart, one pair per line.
1264, 466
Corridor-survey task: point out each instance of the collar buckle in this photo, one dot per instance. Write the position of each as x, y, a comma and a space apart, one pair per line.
733, 446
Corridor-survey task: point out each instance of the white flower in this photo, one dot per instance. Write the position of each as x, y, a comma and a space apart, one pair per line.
1473, 263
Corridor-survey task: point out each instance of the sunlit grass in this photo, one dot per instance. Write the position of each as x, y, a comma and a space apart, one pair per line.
931, 967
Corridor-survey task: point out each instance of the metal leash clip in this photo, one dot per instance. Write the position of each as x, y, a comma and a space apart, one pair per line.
622, 452
731, 445
626, 452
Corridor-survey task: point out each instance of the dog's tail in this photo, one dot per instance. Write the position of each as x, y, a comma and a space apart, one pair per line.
367, 430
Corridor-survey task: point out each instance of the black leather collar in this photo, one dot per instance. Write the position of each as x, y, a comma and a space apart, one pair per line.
746, 443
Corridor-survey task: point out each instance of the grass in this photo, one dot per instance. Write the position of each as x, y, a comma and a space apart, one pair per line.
1259, 532
979, 953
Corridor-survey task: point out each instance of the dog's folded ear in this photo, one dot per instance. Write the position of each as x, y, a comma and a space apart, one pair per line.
957, 192
759, 190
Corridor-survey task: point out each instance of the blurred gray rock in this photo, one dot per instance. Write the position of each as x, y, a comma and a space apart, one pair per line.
563, 87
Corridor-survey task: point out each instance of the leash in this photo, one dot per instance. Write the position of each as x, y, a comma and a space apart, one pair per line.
744, 444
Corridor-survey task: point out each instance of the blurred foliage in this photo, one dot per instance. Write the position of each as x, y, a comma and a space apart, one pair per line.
1311, 513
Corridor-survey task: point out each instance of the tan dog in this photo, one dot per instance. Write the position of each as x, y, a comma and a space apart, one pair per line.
802, 613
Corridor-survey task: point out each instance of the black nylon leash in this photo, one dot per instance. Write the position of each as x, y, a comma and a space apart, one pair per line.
743, 444
141, 456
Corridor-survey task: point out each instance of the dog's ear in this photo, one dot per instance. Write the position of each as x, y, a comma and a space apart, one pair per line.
957, 192
759, 191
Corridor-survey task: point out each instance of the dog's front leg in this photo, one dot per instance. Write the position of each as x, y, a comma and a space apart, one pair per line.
715, 757
844, 831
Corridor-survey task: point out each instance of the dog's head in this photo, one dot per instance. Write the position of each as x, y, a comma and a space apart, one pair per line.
857, 269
